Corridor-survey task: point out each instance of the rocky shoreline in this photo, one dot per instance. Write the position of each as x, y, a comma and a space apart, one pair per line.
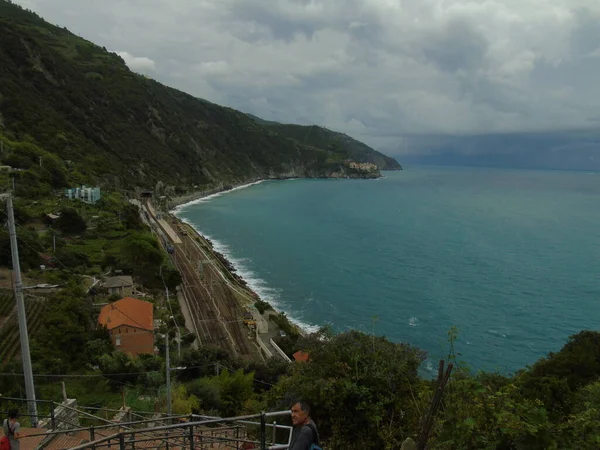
239, 280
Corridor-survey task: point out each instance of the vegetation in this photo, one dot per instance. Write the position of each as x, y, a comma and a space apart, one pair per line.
333, 141
262, 306
90, 119
72, 113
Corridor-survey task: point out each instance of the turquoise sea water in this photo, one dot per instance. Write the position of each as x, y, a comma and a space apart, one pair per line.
510, 257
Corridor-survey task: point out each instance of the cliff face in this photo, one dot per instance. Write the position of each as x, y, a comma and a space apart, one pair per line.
82, 104
335, 142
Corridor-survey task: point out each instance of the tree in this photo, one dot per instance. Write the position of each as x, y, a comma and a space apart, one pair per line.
130, 216
68, 324
70, 221
362, 389
201, 362
120, 368
235, 389
555, 378
182, 402
581, 429
140, 252
481, 412
72, 258
226, 393
268, 373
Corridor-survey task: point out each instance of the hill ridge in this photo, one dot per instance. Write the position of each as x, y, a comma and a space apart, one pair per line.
74, 99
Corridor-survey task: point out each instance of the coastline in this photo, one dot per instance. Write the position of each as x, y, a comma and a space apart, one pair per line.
178, 203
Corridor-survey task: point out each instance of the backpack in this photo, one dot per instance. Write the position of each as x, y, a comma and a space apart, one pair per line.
314, 446
4, 441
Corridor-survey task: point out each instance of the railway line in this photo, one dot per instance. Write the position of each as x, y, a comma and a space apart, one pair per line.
216, 314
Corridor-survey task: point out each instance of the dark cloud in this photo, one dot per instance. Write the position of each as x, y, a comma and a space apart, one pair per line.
458, 46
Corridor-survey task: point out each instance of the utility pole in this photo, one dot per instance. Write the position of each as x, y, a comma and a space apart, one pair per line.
176, 326
168, 364
27, 371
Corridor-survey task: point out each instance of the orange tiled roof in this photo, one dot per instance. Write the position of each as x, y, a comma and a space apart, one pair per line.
301, 356
30, 443
128, 311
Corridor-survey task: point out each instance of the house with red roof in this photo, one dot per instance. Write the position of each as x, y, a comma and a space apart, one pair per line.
130, 323
301, 356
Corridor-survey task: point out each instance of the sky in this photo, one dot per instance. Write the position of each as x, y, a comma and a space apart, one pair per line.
387, 72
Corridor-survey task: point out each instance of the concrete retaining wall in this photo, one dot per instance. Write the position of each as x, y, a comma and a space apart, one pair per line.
264, 348
278, 350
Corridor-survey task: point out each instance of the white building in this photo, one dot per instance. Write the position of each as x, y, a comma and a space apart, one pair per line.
85, 194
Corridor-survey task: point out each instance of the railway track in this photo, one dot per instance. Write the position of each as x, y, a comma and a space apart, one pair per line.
216, 314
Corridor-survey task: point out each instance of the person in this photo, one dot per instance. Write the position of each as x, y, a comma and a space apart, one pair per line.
11, 429
305, 433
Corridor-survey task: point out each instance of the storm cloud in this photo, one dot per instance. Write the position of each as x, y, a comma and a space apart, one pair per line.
379, 70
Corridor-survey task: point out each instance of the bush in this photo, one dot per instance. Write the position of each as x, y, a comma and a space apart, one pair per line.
70, 221
262, 306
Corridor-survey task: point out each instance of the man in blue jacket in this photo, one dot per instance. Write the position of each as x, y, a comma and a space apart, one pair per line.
305, 433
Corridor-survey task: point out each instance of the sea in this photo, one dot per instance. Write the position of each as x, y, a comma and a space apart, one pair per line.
510, 258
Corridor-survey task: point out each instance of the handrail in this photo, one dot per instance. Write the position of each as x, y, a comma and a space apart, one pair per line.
25, 400
111, 425
184, 426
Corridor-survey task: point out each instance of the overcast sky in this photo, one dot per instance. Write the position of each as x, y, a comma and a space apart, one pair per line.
375, 69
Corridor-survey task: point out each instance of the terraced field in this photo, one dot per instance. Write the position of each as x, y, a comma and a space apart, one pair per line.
9, 325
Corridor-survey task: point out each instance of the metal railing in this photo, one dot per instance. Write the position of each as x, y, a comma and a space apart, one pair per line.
192, 435
44, 403
97, 431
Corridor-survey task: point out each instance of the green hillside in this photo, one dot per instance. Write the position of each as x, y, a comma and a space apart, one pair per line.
332, 141
103, 123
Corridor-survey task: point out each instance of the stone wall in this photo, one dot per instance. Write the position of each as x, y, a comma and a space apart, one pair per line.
64, 415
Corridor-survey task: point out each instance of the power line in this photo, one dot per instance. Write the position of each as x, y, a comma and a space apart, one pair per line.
106, 375
99, 375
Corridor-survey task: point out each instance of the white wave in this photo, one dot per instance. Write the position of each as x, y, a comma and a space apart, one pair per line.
304, 326
496, 333
179, 208
413, 321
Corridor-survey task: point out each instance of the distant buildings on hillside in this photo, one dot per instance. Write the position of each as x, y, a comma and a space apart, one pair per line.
85, 194
368, 167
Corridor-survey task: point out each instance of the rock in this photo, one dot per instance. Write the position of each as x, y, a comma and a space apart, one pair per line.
408, 444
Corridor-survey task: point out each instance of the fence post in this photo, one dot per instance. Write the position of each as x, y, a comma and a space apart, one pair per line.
132, 439
52, 416
191, 436
263, 431
92, 436
122, 441
274, 432
237, 437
